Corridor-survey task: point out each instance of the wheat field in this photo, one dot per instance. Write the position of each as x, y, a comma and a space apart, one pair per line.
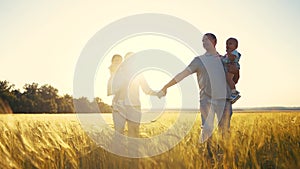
257, 140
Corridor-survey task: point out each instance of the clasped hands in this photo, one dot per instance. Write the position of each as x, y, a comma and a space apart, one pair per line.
161, 93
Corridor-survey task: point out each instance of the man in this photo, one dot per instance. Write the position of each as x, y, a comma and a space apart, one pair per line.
214, 91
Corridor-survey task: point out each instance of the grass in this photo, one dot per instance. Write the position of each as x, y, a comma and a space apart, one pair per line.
257, 140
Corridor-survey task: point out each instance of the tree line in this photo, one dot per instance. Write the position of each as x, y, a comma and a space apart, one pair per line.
45, 99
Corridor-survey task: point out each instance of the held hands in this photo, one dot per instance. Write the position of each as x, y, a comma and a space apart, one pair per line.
162, 93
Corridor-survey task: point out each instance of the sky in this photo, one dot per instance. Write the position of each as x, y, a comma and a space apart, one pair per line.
42, 41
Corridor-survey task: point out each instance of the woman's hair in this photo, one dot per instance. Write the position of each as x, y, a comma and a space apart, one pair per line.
115, 57
128, 54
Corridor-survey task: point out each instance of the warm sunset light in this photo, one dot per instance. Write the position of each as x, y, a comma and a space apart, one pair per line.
149, 84
47, 47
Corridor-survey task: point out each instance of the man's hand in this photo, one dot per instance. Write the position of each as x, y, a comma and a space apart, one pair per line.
162, 93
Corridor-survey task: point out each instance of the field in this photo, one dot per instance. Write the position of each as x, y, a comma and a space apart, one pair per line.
257, 140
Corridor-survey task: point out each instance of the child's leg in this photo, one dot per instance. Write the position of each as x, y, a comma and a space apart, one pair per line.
229, 78
236, 76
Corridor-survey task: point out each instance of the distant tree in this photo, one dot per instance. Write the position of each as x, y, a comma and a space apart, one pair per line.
31, 98
48, 96
31, 91
17, 104
5, 91
45, 99
25, 105
5, 87
65, 104
47, 106
6, 97
48, 92
103, 107
82, 105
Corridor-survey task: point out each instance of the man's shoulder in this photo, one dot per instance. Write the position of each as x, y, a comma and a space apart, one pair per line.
200, 56
197, 59
205, 57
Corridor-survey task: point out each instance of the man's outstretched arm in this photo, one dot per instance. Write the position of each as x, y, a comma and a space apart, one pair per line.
145, 86
175, 80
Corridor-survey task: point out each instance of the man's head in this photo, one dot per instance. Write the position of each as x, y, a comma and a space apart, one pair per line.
209, 41
231, 44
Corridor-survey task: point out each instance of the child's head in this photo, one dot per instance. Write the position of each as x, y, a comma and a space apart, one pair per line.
116, 59
231, 44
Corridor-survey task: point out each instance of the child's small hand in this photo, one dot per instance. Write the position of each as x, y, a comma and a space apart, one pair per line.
231, 57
